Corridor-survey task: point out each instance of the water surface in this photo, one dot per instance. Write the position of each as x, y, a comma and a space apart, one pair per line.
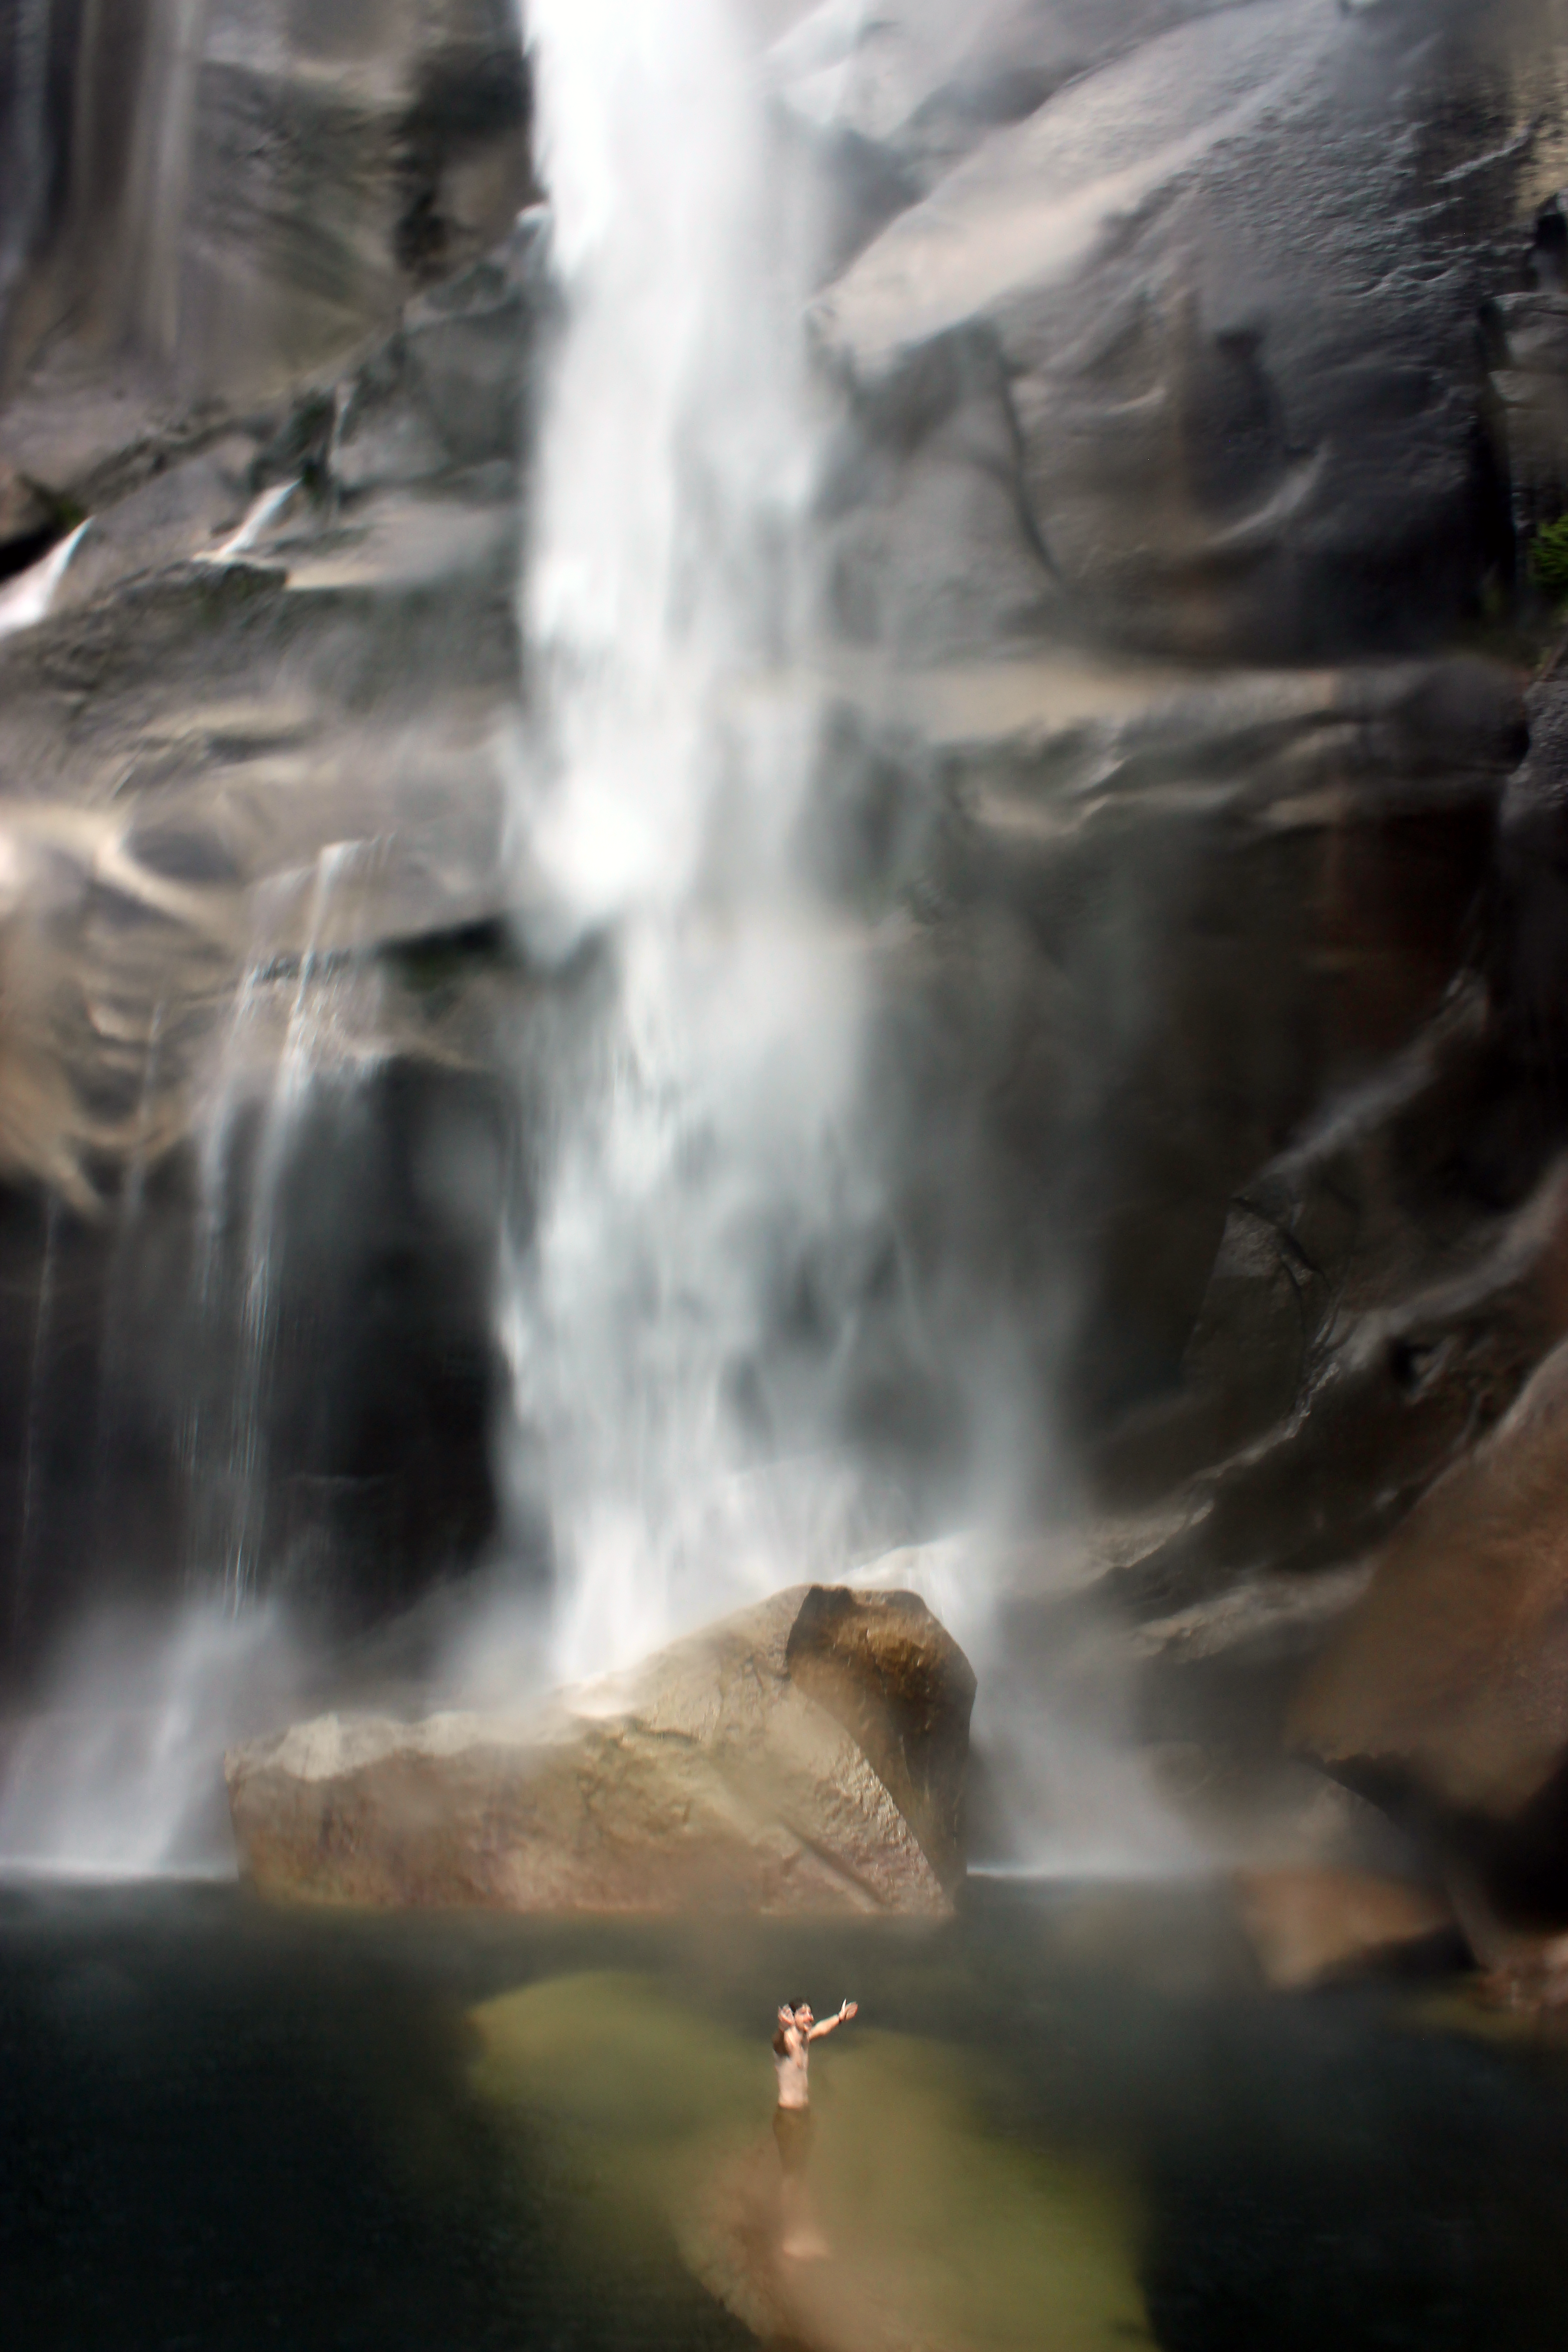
224, 2127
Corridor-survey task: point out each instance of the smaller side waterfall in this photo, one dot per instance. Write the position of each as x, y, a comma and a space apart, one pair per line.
116, 1774
154, 216
286, 1032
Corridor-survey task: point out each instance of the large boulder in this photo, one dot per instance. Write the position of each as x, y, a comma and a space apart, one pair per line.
716, 1773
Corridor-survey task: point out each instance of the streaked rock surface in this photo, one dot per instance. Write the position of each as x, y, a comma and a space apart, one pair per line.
1186, 354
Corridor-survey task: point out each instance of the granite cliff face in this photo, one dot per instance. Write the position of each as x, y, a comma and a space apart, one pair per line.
1187, 790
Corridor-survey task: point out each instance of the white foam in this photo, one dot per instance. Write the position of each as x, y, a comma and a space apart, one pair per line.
119, 1773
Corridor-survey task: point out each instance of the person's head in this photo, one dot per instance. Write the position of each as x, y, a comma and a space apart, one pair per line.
802, 2016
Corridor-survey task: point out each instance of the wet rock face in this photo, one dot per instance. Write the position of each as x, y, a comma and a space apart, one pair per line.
253, 1127
1159, 936
1306, 1171
28, 522
1122, 367
242, 192
285, 1386
713, 1776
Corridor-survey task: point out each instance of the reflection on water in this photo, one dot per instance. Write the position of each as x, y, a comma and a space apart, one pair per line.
1063, 2121
935, 2228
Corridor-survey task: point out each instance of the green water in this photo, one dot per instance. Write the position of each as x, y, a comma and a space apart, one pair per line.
1069, 2119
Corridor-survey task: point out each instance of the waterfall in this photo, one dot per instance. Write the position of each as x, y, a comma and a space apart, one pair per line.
153, 227
116, 1771
43, 1339
287, 1032
24, 146
709, 1155
698, 1142
116, 1774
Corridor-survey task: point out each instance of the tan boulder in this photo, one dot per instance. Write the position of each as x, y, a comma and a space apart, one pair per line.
1448, 1683
1309, 1926
709, 1775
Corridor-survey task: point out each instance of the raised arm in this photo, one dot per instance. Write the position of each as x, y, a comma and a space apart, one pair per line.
827, 2024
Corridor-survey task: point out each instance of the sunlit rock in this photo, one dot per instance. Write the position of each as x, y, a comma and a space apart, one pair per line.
712, 1776
1452, 1675
926, 81
241, 194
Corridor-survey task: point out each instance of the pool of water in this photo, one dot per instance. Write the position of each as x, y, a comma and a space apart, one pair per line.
1067, 2119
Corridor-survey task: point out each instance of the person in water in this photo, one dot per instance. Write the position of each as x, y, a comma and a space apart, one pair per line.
797, 2029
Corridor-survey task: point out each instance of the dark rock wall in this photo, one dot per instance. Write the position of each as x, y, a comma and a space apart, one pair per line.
237, 191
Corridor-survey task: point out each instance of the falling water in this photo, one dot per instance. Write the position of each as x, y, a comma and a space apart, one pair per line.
116, 1774
26, 599
117, 1770
245, 1162
154, 216
704, 1139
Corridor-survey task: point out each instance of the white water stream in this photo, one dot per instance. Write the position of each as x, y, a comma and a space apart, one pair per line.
706, 1136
